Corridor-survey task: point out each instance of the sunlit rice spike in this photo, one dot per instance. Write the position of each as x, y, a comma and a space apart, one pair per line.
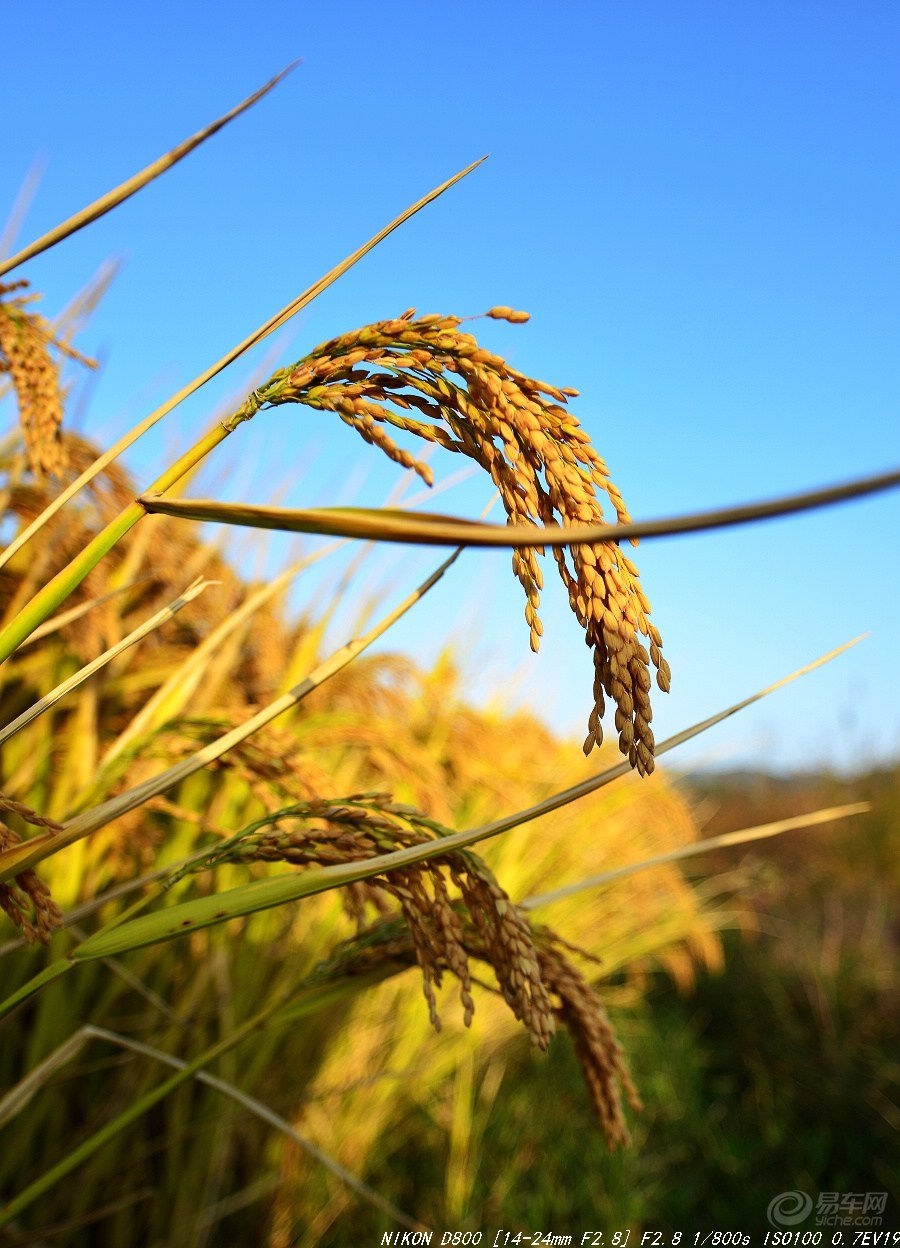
533, 449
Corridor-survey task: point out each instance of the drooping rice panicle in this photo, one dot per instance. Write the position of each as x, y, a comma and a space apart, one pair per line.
539, 458
536, 954
323, 832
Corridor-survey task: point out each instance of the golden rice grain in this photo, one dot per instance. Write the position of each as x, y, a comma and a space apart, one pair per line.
325, 832
599, 1053
26, 898
25, 339
508, 314
536, 454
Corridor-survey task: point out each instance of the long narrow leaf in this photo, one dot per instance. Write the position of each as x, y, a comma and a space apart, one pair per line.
134, 184
21, 204
84, 673
20, 1096
29, 853
268, 327
433, 530
35, 984
263, 894
727, 839
65, 618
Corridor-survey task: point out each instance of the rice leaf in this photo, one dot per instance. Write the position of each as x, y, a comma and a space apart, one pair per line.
263, 894
268, 327
727, 839
136, 183
428, 529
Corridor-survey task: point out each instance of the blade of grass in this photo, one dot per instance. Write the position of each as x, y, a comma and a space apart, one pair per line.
56, 622
268, 327
434, 530
274, 891
31, 852
89, 669
80, 309
309, 1000
21, 204
758, 833
134, 184
19, 1097
35, 984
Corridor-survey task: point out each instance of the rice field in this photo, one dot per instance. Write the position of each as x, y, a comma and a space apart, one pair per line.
267, 905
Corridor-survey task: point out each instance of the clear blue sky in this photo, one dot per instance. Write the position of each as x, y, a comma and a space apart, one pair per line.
697, 202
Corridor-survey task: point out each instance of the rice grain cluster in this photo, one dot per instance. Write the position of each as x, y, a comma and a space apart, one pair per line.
571, 1000
325, 832
25, 341
26, 900
538, 457
598, 1051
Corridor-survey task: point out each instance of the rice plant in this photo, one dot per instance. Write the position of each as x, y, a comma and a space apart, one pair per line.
178, 753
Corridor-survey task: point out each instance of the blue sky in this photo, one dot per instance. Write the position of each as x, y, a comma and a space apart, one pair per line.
698, 204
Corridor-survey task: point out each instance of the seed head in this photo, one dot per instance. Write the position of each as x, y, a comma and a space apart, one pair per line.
509, 314
539, 459
25, 339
